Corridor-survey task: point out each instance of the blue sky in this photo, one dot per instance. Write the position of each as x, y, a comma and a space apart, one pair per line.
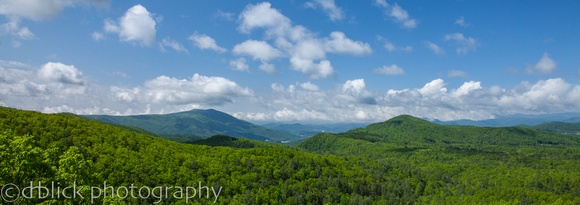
319, 60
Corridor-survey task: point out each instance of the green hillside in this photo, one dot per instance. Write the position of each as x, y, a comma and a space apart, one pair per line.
557, 127
470, 164
205, 123
410, 130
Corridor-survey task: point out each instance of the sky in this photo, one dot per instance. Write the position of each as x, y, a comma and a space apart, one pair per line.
292, 61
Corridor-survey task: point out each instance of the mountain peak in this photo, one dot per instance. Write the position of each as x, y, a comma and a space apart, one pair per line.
405, 118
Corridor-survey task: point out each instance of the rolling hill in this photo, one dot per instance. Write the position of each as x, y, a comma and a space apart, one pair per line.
410, 130
205, 123
557, 127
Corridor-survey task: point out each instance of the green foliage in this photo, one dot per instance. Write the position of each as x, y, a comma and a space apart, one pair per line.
204, 123
453, 168
357, 167
227, 141
557, 127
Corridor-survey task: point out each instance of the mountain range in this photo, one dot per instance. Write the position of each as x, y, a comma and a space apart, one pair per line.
205, 123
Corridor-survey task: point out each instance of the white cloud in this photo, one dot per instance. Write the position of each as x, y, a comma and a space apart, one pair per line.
173, 44
309, 86
466, 88
398, 14
268, 68
137, 25
382, 3
546, 65
257, 50
391, 47
20, 33
196, 90
203, 42
62, 73
461, 22
225, 15
352, 101
40, 9
263, 16
457, 73
305, 50
466, 44
57, 87
339, 43
435, 48
322, 69
390, 70
97, 36
36, 10
239, 64
354, 86
434, 87
335, 13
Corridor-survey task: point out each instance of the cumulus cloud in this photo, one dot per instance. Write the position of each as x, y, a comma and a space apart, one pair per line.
397, 14
456, 73
389, 70
257, 50
466, 88
137, 25
305, 50
545, 66
466, 44
262, 15
239, 64
196, 90
62, 73
461, 22
203, 42
338, 43
352, 101
309, 86
58, 87
173, 44
435, 48
335, 13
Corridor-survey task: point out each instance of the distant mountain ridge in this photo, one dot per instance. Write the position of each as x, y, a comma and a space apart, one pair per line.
199, 122
517, 119
308, 130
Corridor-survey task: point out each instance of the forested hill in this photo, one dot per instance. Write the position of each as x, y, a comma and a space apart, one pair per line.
75, 151
557, 127
205, 123
411, 130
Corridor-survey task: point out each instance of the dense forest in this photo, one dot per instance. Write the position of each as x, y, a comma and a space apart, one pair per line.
401, 161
